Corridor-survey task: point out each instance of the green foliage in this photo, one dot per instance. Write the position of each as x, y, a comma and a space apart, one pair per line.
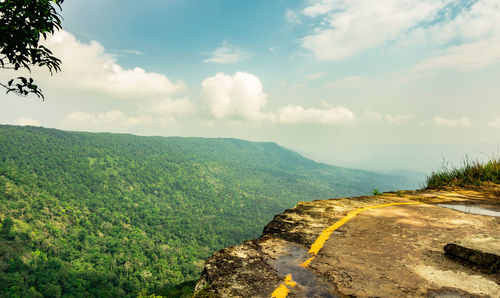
204, 292
114, 215
471, 173
183, 290
376, 192
22, 24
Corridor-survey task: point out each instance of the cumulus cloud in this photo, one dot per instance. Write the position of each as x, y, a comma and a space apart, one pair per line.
23, 121
89, 68
160, 112
445, 122
495, 122
156, 112
227, 53
398, 119
316, 75
240, 96
327, 116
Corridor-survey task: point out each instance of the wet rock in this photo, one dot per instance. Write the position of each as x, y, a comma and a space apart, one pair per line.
237, 271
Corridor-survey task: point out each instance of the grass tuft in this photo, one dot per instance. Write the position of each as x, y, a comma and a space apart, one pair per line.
376, 192
471, 173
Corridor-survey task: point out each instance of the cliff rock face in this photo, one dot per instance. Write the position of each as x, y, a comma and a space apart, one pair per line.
387, 246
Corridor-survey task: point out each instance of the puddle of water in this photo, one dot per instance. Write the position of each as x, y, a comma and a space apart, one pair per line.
289, 263
471, 209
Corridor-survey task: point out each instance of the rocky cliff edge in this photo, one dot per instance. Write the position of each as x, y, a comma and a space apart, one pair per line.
390, 245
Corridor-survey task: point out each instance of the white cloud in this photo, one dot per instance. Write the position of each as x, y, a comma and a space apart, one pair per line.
227, 53
299, 86
157, 112
444, 122
316, 75
178, 107
398, 119
240, 96
87, 67
479, 29
466, 57
292, 16
113, 118
132, 52
495, 122
352, 26
371, 115
479, 21
351, 81
468, 34
125, 53
319, 7
23, 121
327, 116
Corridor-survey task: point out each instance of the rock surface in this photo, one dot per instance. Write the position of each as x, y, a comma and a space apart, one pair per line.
482, 251
391, 251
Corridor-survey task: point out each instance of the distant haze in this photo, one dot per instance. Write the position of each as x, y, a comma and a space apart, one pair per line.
414, 157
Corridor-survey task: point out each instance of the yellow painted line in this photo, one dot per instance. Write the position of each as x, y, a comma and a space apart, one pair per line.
289, 281
282, 291
320, 241
306, 263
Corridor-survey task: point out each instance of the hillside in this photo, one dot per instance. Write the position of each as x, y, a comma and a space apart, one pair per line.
114, 215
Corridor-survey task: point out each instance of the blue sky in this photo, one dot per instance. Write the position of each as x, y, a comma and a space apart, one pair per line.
182, 33
319, 76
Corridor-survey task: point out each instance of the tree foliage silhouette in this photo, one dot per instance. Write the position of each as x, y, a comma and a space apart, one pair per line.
23, 23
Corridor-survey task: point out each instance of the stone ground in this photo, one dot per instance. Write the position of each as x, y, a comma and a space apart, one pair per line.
395, 251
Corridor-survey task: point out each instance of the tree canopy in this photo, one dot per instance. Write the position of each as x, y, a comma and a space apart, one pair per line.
22, 25
109, 215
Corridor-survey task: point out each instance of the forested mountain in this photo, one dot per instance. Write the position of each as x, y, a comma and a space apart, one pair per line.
113, 215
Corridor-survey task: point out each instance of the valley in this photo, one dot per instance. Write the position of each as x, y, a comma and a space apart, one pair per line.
119, 215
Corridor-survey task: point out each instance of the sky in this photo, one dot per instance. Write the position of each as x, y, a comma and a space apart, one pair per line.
382, 85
